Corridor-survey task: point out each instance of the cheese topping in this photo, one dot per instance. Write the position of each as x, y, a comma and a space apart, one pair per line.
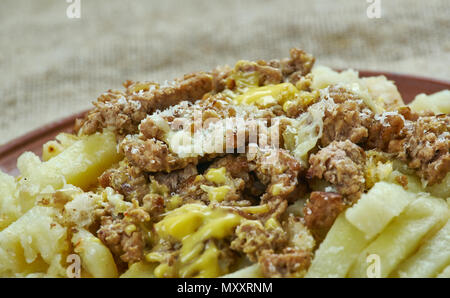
196, 226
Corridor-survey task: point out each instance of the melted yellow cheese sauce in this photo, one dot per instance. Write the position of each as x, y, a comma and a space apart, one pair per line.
267, 96
196, 227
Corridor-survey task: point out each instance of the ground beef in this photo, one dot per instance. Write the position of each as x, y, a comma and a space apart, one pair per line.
347, 119
289, 263
174, 180
153, 204
152, 155
384, 129
277, 169
220, 78
123, 111
266, 74
252, 239
123, 236
277, 71
424, 145
128, 180
298, 65
321, 211
342, 164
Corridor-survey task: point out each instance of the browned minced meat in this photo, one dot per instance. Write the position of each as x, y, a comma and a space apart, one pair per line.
191, 189
128, 247
277, 169
299, 64
153, 204
321, 211
238, 167
152, 155
220, 78
266, 74
290, 263
252, 239
128, 180
124, 111
384, 129
348, 119
174, 180
341, 164
290, 69
424, 145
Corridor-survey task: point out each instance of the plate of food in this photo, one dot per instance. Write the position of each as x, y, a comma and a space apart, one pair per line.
280, 168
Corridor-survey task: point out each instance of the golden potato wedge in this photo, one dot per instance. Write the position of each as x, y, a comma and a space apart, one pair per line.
403, 236
431, 257
338, 251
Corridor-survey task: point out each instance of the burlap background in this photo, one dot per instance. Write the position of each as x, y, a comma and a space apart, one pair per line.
52, 66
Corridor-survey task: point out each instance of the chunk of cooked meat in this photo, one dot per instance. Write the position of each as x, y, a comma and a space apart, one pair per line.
266, 74
277, 169
252, 239
123, 236
347, 119
128, 180
175, 179
384, 128
123, 111
342, 164
153, 204
152, 155
321, 211
290, 263
298, 65
424, 145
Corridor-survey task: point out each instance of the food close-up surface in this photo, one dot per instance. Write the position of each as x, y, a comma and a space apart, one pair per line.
277, 167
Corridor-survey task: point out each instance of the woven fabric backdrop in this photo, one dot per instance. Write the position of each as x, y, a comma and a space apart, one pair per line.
53, 66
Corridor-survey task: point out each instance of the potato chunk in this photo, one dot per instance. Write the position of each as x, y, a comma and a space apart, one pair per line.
80, 164
34, 244
96, 258
403, 235
338, 251
439, 102
431, 257
374, 210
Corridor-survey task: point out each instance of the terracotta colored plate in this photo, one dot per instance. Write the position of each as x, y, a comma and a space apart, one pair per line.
409, 87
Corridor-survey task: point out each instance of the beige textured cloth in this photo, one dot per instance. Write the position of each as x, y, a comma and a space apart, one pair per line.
52, 66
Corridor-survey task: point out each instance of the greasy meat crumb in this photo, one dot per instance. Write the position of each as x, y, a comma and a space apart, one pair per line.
424, 145
153, 155
289, 263
342, 164
252, 239
347, 119
128, 180
122, 237
124, 111
321, 211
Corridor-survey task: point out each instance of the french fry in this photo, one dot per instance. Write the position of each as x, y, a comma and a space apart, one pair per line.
35, 243
439, 102
80, 164
96, 258
402, 236
375, 209
431, 257
338, 251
